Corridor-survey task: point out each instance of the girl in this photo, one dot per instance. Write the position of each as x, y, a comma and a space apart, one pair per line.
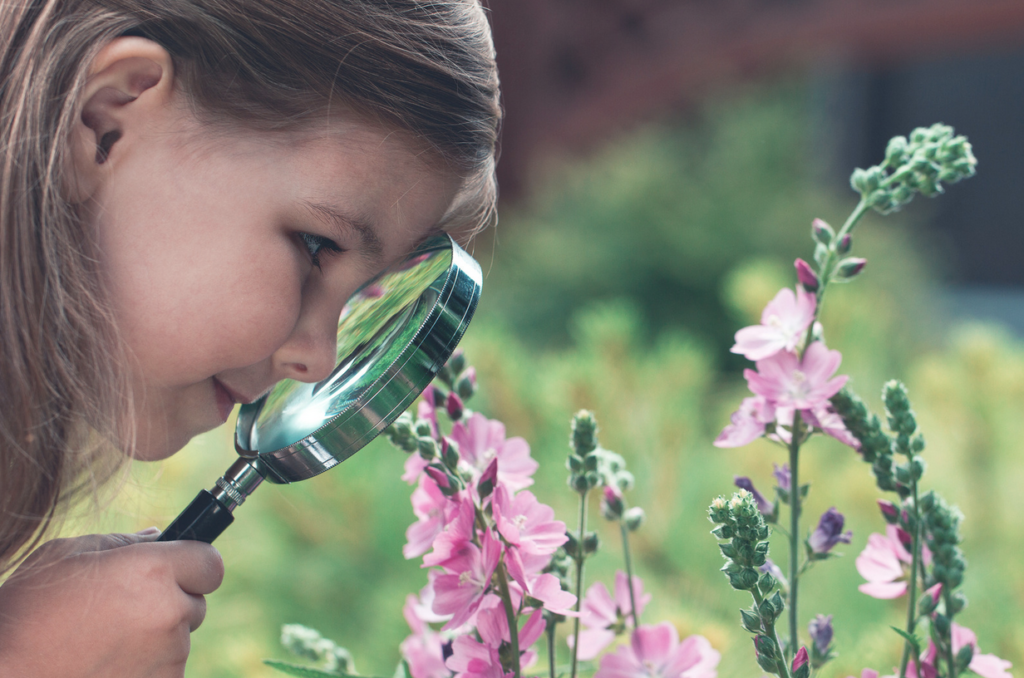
189, 191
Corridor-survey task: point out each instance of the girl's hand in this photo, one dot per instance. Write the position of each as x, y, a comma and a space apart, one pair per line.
106, 605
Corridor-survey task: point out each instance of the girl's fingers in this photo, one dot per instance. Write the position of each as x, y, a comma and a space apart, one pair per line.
197, 566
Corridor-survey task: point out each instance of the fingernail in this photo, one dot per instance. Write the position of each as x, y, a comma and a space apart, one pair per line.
149, 531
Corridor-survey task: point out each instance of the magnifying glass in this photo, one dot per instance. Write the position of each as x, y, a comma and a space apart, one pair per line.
394, 335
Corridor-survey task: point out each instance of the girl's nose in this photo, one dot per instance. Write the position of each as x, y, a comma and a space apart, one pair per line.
310, 352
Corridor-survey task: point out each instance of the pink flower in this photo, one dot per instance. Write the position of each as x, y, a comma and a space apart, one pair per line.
884, 562
985, 665
783, 323
655, 652
600, 613
480, 440
526, 523
428, 503
473, 658
423, 649
458, 531
460, 592
868, 673
785, 380
748, 423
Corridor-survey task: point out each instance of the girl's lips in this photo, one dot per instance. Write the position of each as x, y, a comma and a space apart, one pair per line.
225, 401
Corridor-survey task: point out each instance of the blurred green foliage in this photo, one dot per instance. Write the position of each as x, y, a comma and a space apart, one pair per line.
618, 289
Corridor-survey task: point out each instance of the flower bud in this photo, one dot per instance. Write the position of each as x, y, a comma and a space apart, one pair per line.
743, 579
427, 447
572, 545
850, 268
579, 483
624, 481
584, 433
820, 631
611, 504
751, 621
941, 623
917, 468
438, 396
633, 518
457, 363
806, 275
767, 582
574, 463
449, 453
964, 657
957, 602
764, 646
801, 667
844, 244
822, 232
890, 511
423, 428
488, 479
454, 406
465, 385
591, 542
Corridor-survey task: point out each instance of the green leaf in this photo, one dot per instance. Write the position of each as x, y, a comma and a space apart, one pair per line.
913, 640
403, 670
301, 671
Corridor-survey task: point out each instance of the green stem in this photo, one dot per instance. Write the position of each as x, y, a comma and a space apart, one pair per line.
794, 528
912, 584
550, 630
580, 557
513, 626
833, 257
783, 662
629, 573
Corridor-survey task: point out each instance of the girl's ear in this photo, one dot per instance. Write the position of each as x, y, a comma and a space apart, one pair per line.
130, 82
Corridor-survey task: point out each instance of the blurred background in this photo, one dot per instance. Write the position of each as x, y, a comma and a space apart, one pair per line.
661, 164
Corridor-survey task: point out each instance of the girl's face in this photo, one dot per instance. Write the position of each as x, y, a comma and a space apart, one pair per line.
229, 257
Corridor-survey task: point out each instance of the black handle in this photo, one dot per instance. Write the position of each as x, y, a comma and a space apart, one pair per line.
203, 520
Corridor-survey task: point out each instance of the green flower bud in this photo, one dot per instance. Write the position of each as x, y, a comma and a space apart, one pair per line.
964, 657
584, 433
590, 462
766, 583
850, 268
571, 545
423, 428
844, 244
633, 518
624, 481
591, 542
457, 363
593, 479
777, 604
579, 483
465, 387
751, 621
822, 232
744, 580
957, 602
917, 468
941, 624
765, 647
574, 463
427, 447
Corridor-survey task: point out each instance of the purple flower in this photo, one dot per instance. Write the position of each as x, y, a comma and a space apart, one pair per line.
763, 505
829, 532
782, 476
820, 630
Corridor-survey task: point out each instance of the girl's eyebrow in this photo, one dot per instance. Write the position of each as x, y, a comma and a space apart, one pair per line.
331, 217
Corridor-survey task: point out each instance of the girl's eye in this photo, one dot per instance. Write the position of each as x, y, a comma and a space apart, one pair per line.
317, 245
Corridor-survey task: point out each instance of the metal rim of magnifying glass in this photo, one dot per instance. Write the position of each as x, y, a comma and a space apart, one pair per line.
390, 394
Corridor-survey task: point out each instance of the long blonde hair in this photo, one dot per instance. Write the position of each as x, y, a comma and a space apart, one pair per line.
422, 66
